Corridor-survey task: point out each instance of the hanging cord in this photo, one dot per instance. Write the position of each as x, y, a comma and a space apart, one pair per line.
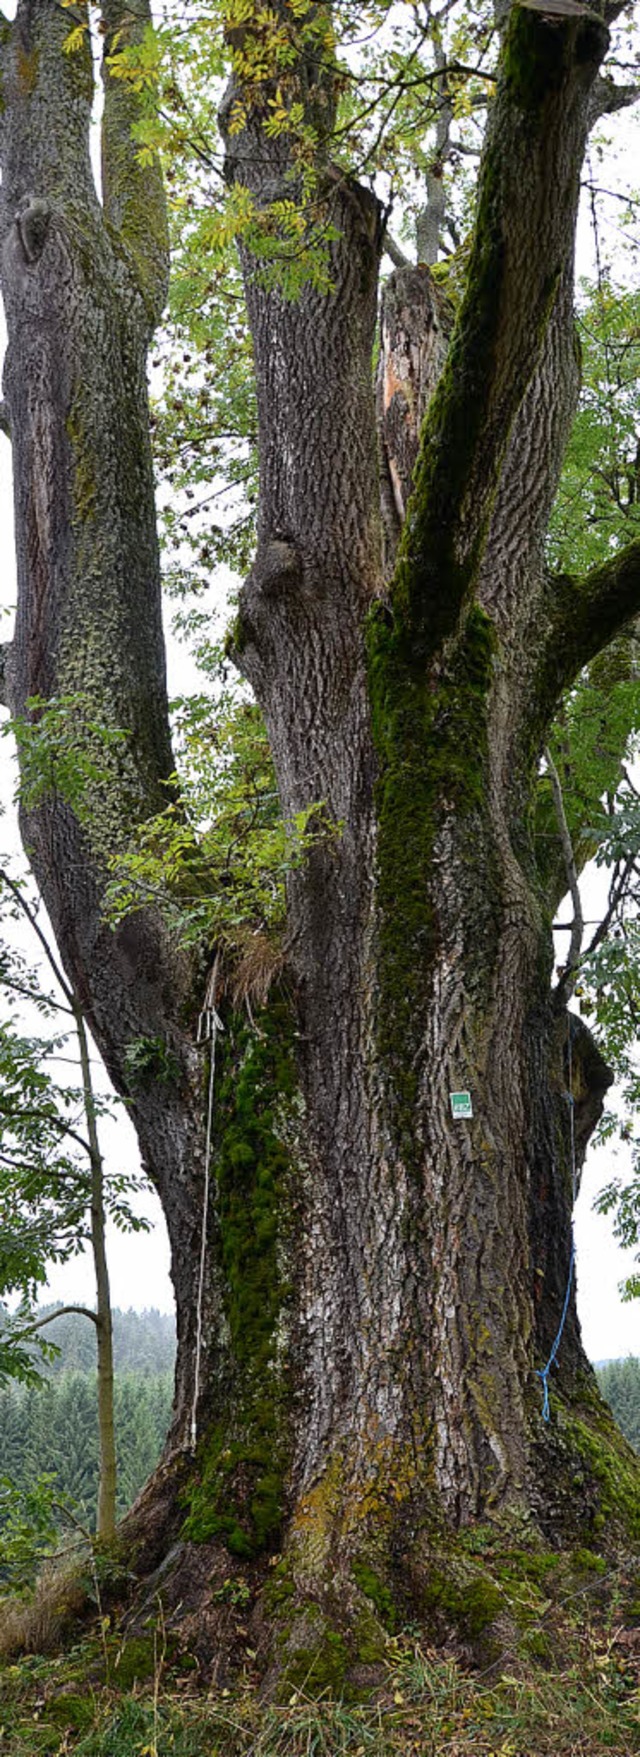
209, 1024
543, 1374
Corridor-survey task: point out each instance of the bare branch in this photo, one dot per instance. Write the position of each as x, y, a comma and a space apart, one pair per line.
62, 1312
394, 252
613, 9
617, 890
557, 8
31, 916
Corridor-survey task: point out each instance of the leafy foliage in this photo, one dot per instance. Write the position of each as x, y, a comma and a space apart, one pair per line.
47, 1188
217, 859
598, 504
28, 1526
64, 751
49, 1433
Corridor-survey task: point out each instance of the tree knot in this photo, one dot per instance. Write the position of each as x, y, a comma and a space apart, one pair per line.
33, 218
277, 568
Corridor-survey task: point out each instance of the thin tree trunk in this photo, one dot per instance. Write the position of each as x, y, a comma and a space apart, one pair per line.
107, 1480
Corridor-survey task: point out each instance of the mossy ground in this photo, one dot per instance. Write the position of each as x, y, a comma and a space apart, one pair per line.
571, 1689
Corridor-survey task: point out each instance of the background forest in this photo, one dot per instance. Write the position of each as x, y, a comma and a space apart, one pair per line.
53, 1428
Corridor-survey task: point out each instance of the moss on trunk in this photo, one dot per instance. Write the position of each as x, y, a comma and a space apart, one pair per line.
238, 1491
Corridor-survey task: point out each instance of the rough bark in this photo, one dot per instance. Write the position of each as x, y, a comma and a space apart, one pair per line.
426, 966
384, 1281
416, 320
83, 286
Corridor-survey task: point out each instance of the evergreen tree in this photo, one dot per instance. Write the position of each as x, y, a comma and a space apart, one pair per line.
620, 1384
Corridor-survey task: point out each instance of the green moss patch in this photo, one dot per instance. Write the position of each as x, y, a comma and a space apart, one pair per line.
612, 1473
70, 1712
238, 1491
430, 740
374, 1588
135, 1661
466, 1607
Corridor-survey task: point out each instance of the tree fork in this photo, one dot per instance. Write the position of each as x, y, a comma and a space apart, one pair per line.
373, 1318
443, 719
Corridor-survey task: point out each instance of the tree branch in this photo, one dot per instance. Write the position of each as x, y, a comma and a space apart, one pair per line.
607, 98
53, 1122
62, 1312
394, 252
525, 216
584, 615
613, 8
32, 919
617, 892
133, 193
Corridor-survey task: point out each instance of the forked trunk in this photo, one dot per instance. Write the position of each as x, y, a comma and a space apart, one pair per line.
383, 1279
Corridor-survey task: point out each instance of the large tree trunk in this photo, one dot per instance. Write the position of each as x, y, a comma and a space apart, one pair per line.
435, 1252
83, 286
383, 1281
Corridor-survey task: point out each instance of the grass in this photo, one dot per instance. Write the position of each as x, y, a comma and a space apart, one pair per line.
37, 1622
428, 1705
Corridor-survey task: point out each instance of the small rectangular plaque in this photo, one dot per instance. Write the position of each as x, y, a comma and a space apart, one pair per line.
461, 1105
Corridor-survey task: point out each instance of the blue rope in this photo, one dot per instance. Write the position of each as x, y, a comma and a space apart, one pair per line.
544, 1372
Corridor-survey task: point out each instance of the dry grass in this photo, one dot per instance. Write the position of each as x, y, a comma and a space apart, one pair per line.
38, 1621
258, 961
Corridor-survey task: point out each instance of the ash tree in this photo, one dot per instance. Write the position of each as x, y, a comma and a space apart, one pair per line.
362, 1329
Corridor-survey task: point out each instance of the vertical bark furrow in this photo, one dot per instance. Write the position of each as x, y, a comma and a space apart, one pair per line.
88, 622
513, 561
416, 320
132, 193
527, 205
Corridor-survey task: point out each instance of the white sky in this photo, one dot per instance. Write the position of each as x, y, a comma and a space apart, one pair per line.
139, 1264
